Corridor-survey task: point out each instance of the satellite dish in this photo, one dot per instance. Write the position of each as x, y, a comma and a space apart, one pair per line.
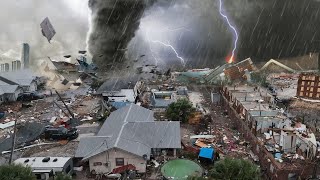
145, 157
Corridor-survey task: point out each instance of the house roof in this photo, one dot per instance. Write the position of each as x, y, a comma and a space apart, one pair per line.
281, 67
300, 63
8, 88
116, 84
22, 77
132, 129
216, 72
236, 71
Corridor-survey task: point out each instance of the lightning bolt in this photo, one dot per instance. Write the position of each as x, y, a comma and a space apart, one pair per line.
234, 30
173, 49
152, 52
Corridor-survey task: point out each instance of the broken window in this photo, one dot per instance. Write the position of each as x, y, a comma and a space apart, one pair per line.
119, 161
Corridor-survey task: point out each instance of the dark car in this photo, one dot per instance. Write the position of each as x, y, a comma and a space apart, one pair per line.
29, 96
60, 133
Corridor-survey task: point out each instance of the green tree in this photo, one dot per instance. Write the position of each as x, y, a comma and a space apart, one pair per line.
180, 110
16, 172
62, 176
235, 169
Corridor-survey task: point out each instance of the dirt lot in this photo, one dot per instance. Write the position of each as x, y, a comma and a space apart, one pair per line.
226, 138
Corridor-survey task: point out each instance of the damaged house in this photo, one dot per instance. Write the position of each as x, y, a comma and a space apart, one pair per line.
24, 78
9, 93
129, 137
285, 147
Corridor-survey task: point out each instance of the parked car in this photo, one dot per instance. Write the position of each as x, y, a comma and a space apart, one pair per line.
29, 96
60, 133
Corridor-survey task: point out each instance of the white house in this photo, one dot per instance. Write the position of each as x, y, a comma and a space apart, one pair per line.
127, 139
9, 93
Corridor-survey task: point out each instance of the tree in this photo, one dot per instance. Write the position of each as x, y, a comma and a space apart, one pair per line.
62, 176
239, 169
180, 110
16, 172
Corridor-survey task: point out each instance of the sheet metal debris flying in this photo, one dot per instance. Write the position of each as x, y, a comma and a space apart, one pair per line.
47, 29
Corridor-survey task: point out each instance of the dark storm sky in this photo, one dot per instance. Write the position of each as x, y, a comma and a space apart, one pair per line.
267, 29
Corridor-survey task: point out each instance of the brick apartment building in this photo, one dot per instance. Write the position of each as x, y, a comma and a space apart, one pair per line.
309, 86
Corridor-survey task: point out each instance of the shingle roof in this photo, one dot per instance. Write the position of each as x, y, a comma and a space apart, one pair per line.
8, 88
132, 129
116, 84
22, 77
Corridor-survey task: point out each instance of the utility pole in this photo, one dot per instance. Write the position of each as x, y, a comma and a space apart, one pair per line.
13, 138
72, 115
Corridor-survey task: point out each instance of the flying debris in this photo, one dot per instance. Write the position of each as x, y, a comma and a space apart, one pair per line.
142, 55
135, 60
82, 52
87, 67
128, 67
100, 55
67, 56
47, 29
65, 82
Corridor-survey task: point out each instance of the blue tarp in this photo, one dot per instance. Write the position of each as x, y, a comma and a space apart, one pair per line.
207, 153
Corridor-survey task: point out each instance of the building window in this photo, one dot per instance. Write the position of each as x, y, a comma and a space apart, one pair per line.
318, 89
119, 161
311, 89
301, 93
310, 95
302, 88
303, 77
302, 83
97, 163
312, 83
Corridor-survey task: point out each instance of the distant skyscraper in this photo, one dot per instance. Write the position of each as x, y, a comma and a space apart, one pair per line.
18, 63
14, 65
2, 67
25, 55
6, 67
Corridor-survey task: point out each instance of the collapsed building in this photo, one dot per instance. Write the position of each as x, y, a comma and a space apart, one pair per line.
285, 147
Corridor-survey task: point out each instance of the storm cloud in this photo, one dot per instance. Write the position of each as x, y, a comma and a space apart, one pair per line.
267, 29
